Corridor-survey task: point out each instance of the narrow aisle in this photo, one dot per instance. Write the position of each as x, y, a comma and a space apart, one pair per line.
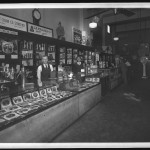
123, 115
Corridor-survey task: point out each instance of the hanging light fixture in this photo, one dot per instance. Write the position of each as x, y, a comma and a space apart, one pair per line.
115, 38
94, 22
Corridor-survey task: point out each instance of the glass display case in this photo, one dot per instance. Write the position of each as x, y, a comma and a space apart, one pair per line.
20, 105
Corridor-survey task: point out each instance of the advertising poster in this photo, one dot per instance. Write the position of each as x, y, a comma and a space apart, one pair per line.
77, 36
9, 47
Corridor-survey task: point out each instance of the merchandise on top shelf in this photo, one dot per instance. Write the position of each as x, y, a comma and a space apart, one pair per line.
27, 53
40, 46
26, 45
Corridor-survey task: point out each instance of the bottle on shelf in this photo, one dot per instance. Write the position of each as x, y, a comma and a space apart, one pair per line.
12, 73
23, 77
42, 47
37, 47
27, 45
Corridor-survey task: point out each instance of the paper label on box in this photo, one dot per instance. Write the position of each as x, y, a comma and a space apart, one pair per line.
14, 56
2, 56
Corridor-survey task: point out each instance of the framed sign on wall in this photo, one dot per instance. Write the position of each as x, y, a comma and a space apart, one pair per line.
77, 36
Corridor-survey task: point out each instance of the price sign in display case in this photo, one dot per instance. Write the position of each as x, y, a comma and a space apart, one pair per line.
51, 54
62, 55
27, 53
75, 55
69, 55
40, 49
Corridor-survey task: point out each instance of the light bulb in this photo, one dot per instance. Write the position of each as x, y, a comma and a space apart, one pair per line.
93, 25
116, 38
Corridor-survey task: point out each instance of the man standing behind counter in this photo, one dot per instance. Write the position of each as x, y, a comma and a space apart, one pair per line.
44, 71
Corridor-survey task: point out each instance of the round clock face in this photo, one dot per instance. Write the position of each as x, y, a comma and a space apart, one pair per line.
36, 14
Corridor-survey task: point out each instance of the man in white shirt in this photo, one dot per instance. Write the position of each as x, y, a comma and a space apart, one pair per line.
44, 71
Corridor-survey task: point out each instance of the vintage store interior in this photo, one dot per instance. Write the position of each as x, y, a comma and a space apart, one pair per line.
97, 86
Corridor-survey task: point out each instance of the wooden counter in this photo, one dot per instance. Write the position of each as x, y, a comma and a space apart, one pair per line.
50, 122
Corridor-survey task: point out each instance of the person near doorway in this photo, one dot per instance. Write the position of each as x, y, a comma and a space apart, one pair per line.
124, 68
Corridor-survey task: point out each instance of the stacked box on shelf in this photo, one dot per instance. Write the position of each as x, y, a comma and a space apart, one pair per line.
75, 55
51, 54
62, 55
69, 56
27, 53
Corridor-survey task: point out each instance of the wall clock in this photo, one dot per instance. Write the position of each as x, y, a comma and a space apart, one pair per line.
36, 16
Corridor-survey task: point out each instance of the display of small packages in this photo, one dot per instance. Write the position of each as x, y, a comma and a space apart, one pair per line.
75, 55
51, 53
42, 100
6, 104
31, 99
49, 94
69, 55
18, 101
62, 55
56, 93
28, 98
92, 79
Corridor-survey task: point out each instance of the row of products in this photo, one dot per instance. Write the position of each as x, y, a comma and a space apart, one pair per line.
51, 48
27, 45
62, 53
27, 54
103, 64
90, 79
27, 103
40, 47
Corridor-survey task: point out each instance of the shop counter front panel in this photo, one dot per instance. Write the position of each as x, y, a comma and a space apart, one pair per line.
89, 98
41, 126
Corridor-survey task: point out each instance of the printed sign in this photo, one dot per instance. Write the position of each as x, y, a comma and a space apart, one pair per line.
12, 23
9, 47
77, 36
14, 56
8, 31
40, 30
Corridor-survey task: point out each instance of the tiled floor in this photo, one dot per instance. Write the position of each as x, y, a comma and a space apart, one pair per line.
123, 115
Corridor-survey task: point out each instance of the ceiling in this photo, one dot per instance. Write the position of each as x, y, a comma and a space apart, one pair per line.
126, 15
91, 12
